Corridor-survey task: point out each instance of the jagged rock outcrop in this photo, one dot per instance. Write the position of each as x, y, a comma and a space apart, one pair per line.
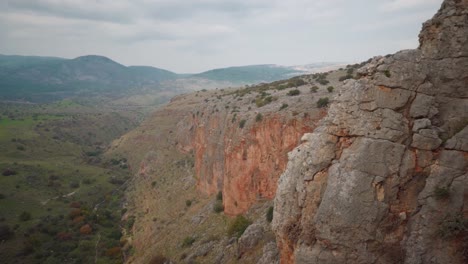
384, 178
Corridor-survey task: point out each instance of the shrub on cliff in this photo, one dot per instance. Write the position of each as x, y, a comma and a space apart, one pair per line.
322, 102
238, 226
346, 77
330, 89
188, 241
269, 214
314, 89
294, 92
259, 117
441, 193
218, 206
242, 123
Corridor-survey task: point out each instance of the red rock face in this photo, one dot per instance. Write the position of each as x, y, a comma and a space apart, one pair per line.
243, 163
252, 167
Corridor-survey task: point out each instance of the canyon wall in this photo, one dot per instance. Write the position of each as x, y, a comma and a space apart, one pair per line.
383, 178
244, 163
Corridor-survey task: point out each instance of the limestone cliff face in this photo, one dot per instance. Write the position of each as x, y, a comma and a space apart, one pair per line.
244, 163
384, 179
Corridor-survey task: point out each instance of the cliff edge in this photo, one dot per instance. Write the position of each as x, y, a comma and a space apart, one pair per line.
383, 178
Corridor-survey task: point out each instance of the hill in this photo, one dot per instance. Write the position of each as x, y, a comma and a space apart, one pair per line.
39, 79
250, 74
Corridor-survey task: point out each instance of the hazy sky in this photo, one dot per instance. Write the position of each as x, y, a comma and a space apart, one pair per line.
197, 35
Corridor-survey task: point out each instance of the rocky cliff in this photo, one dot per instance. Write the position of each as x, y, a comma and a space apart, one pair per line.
243, 162
383, 178
229, 141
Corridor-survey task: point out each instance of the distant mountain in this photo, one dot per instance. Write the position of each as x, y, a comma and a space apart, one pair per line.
44, 78
250, 74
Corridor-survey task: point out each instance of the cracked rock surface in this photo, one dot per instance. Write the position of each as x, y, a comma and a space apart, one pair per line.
384, 178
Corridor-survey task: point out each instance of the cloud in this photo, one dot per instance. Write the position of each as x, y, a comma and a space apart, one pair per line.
395, 5
195, 35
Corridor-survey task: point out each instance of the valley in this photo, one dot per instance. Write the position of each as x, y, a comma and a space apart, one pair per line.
321, 163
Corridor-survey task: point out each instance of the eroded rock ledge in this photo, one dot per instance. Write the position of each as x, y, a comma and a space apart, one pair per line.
385, 174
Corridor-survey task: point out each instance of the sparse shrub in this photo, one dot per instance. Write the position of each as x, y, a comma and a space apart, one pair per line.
322, 102
188, 241
25, 216
330, 89
387, 73
8, 172
159, 259
93, 153
74, 213
441, 193
453, 226
346, 77
20, 147
64, 236
283, 106
294, 92
259, 117
242, 123
74, 185
188, 203
114, 252
238, 226
75, 204
86, 229
5, 232
218, 206
281, 87
314, 89
323, 81
130, 222
87, 181
269, 214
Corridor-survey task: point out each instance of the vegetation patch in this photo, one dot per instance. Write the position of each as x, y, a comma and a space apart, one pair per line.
294, 92
259, 117
322, 102
188, 241
441, 193
269, 214
242, 123
238, 226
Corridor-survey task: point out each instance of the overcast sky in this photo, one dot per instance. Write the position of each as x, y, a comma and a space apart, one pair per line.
198, 35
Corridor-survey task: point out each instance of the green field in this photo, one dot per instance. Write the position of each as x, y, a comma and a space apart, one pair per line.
60, 201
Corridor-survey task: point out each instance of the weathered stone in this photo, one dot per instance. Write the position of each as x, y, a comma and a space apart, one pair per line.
420, 124
270, 254
250, 238
427, 142
459, 141
423, 106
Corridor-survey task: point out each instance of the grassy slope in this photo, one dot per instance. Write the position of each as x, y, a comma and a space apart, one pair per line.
54, 150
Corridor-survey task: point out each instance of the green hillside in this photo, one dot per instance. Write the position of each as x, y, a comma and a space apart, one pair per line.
250, 74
